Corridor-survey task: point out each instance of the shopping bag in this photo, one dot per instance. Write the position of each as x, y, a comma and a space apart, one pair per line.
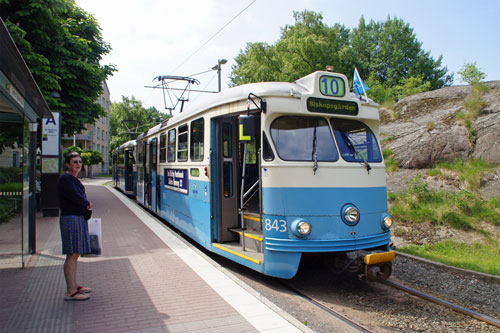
95, 236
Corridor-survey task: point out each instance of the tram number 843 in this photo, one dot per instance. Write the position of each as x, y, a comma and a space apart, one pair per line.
276, 225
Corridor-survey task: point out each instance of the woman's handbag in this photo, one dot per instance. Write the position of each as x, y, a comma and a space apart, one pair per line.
87, 215
95, 233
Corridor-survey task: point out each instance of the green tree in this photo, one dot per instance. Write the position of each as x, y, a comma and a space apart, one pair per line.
388, 52
303, 48
129, 119
471, 74
62, 45
89, 157
399, 55
411, 86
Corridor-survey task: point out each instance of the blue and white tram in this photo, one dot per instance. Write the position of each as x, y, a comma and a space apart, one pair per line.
265, 173
124, 168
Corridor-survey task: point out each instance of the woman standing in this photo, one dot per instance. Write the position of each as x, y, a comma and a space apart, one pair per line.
74, 228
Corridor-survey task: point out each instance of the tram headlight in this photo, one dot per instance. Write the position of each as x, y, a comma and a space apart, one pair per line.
350, 214
301, 228
386, 221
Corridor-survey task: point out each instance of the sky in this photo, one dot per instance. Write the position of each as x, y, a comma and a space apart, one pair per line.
182, 38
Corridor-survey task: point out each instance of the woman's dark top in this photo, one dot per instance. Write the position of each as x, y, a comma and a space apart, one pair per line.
72, 198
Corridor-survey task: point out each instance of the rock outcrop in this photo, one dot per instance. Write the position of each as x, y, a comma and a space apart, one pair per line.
423, 129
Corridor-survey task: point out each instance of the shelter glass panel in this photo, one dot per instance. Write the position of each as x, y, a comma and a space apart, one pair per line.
12, 187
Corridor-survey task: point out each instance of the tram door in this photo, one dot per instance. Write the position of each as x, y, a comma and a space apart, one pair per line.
227, 176
153, 172
142, 174
129, 170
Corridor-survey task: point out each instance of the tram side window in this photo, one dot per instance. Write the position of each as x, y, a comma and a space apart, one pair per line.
121, 158
182, 144
197, 139
226, 140
163, 148
171, 146
139, 153
268, 152
356, 141
130, 156
303, 139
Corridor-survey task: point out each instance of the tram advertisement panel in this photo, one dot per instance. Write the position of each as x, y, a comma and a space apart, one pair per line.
176, 179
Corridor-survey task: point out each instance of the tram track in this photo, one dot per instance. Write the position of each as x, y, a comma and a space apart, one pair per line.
455, 307
335, 314
358, 300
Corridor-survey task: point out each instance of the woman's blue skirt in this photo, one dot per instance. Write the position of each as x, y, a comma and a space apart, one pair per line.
74, 234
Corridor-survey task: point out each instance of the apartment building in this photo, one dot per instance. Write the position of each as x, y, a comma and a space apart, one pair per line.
96, 136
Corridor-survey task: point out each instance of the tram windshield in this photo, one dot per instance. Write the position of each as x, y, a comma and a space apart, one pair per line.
356, 141
303, 139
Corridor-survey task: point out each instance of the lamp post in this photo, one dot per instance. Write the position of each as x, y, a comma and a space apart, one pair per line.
218, 68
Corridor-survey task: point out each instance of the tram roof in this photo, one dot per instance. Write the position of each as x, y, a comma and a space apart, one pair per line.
303, 85
240, 93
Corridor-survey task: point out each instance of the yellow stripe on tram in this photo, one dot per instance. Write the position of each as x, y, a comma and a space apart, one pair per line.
257, 238
252, 218
255, 261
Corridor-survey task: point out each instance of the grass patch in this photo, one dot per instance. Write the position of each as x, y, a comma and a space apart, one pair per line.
460, 210
461, 255
390, 163
473, 106
470, 172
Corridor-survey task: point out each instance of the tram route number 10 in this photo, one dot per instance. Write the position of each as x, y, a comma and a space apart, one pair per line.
331, 86
276, 225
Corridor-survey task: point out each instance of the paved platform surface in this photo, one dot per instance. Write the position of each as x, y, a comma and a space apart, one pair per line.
147, 280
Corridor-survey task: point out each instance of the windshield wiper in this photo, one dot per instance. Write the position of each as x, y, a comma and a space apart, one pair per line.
349, 143
314, 152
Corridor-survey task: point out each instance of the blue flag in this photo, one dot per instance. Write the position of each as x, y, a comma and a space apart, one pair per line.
358, 86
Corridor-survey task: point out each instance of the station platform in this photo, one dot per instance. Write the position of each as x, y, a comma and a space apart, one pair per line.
147, 279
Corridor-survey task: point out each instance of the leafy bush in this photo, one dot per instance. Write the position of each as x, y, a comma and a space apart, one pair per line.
471, 74
9, 175
8, 208
11, 187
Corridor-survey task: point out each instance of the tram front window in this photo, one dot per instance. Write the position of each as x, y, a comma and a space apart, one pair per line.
356, 141
303, 139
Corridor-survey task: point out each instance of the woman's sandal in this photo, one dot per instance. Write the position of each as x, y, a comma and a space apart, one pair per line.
83, 289
76, 296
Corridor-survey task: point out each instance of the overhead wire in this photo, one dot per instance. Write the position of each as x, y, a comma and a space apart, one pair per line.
213, 36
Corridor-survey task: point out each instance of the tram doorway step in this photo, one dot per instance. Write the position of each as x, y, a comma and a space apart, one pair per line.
252, 221
253, 239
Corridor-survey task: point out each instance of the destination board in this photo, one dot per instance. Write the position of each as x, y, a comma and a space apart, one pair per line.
332, 106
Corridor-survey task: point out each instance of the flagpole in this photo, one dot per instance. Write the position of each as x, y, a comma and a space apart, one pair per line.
362, 85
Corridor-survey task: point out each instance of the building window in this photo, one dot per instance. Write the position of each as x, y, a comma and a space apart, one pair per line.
15, 159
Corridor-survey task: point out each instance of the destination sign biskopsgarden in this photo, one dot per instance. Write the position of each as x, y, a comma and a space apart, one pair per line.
332, 106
